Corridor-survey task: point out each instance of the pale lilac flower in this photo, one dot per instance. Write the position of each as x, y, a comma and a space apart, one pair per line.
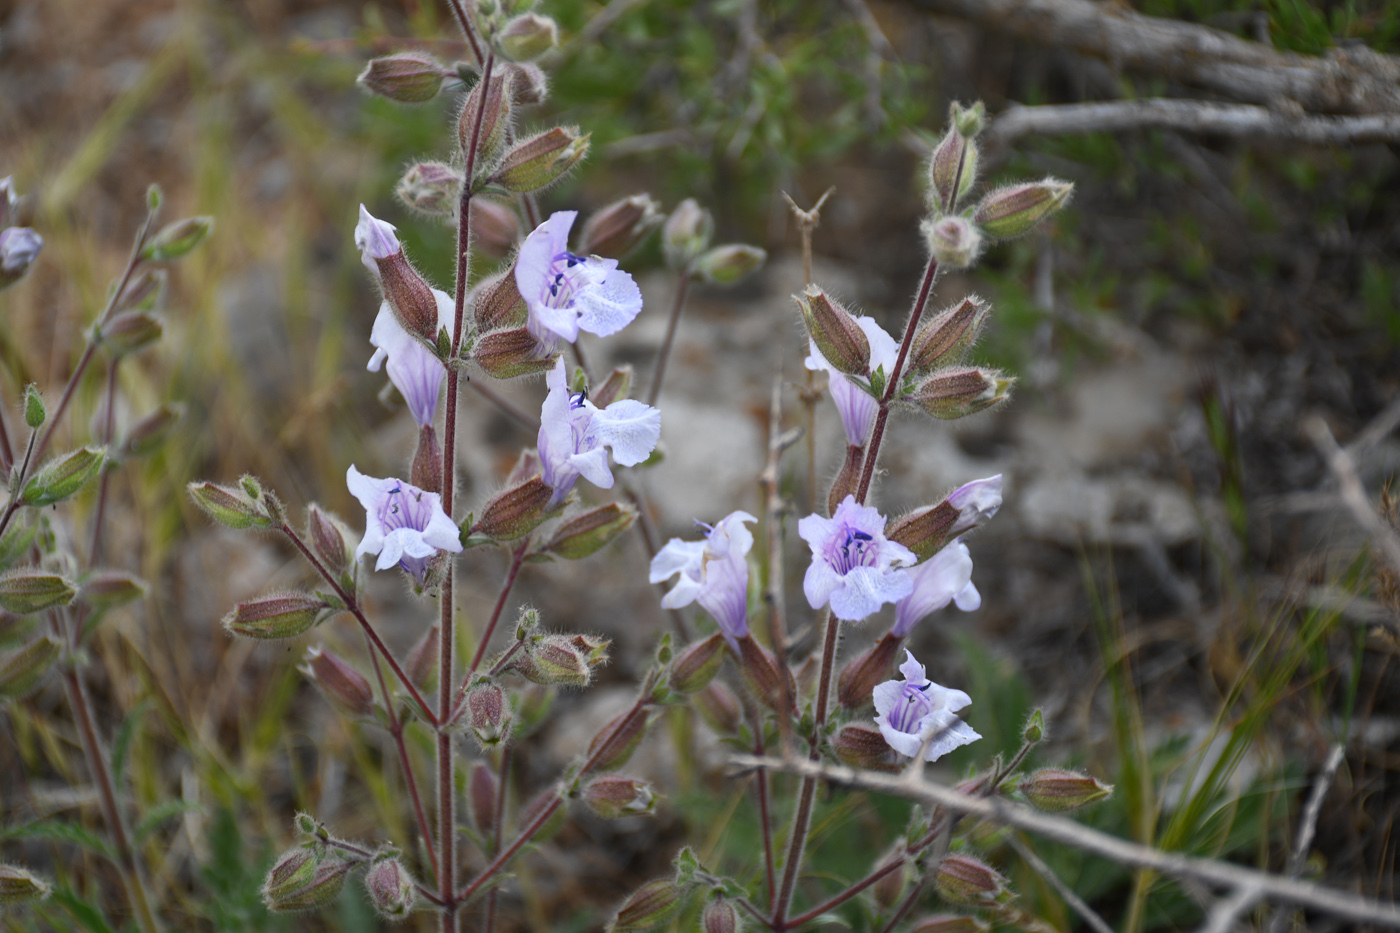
19, 247
914, 711
713, 572
375, 240
566, 292
854, 566
856, 406
943, 578
404, 525
976, 503
575, 434
414, 369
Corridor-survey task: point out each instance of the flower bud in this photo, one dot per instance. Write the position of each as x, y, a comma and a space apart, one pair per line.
330, 540
488, 713
697, 665
19, 247
408, 77
431, 187
1034, 729
622, 735
954, 162
727, 264
847, 479
951, 923
528, 36
1056, 790
553, 659
946, 338
293, 871
426, 471
131, 331
483, 787
963, 879
511, 353
542, 160
721, 916
614, 230
410, 296
762, 677
515, 511
528, 84
422, 662
720, 708
649, 906
144, 291
29, 590
496, 303
953, 241
18, 886
63, 475
495, 228
613, 795
956, 393
862, 746
858, 679
588, 532
147, 435
390, 889
495, 118
1014, 210
324, 887
968, 120
178, 239
22, 672
344, 686
892, 885
108, 589
686, 234
34, 411
835, 332
280, 615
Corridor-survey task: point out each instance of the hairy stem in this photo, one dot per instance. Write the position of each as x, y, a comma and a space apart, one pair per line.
502, 781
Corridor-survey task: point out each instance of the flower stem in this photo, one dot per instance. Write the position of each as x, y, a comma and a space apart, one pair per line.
502, 782
517, 560
464, 20
13, 505
662, 355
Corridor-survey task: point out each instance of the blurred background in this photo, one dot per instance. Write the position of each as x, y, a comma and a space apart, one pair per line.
1173, 576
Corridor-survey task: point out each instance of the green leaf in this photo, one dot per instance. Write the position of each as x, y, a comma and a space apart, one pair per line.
60, 831
160, 813
88, 916
121, 741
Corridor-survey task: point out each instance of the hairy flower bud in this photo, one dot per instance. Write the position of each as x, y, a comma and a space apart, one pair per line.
528, 83
586, 533
615, 229
686, 234
613, 795
835, 332
143, 292
720, 708
541, 160
178, 239
330, 540
614, 744
407, 77
694, 667
325, 885
426, 470
943, 340
1016, 209
495, 118
963, 879
957, 393
953, 241
292, 871
951, 923
727, 264
954, 162
649, 906
862, 746
108, 589
229, 505
131, 331
1057, 790
390, 889
35, 414
18, 886
488, 713
762, 677
431, 187
147, 435
847, 479
29, 590
968, 120
496, 303
891, 886
721, 916
859, 677
555, 659
344, 686
22, 672
616, 387
528, 36
483, 787
515, 511
279, 615
511, 353
63, 475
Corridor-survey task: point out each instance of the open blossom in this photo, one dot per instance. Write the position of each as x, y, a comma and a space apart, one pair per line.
404, 525
976, 503
856, 406
944, 578
566, 292
914, 711
713, 572
854, 566
575, 434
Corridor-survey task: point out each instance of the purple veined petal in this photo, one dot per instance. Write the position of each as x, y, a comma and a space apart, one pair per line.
725, 595
886, 695
976, 503
818, 583
535, 274
949, 735
912, 671
631, 428
937, 582
404, 525
815, 530
611, 304
866, 589
414, 369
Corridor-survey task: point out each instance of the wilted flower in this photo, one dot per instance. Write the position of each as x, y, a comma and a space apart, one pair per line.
403, 524
914, 711
574, 435
856, 406
713, 572
943, 578
567, 293
854, 566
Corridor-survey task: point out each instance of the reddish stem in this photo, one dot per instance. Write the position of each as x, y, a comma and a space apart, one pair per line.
662, 355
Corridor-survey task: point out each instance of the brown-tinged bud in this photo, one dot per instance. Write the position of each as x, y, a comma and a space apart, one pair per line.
18, 886
956, 393
614, 230
495, 118
431, 187
22, 672
649, 906
858, 679
614, 744
1016, 209
721, 916
143, 292
924, 531
426, 471
178, 239
1056, 790
528, 36
422, 662
280, 615
762, 677
330, 540
847, 478
951, 923
696, 666
495, 228
953, 241
963, 879
528, 83
617, 386
586, 533
835, 332
390, 889
344, 686
108, 589
541, 160
292, 871
553, 660
511, 353
62, 476
515, 511
720, 708
408, 77
537, 805
727, 264
944, 340
686, 234
613, 795
488, 713
891, 886
496, 303
27, 590
147, 435
862, 746
325, 885
409, 295
129, 332
482, 789
954, 162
